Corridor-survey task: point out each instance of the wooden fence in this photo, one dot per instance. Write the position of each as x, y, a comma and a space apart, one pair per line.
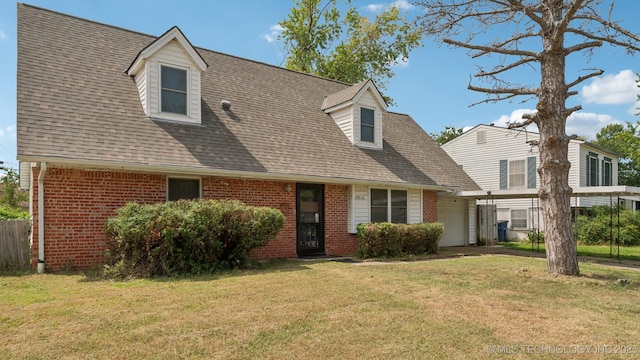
15, 251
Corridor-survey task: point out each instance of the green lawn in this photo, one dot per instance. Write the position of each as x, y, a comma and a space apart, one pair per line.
461, 308
626, 253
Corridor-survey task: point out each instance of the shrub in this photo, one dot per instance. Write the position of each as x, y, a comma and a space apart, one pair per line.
391, 240
535, 236
9, 213
186, 236
598, 228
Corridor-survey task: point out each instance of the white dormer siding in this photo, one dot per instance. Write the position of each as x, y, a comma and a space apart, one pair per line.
346, 107
367, 101
171, 50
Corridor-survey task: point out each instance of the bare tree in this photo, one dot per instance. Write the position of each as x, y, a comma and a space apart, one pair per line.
539, 35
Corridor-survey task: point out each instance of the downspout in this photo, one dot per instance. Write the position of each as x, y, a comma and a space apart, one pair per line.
43, 170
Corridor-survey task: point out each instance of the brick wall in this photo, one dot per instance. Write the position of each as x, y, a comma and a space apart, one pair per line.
337, 240
429, 206
79, 202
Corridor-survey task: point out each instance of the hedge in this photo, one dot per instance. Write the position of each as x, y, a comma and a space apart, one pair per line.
391, 240
186, 236
596, 228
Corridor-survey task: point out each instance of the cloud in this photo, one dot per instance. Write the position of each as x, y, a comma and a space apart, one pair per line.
400, 62
400, 4
588, 124
2, 35
275, 31
403, 5
612, 89
375, 8
579, 123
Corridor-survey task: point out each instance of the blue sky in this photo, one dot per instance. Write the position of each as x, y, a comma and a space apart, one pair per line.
431, 86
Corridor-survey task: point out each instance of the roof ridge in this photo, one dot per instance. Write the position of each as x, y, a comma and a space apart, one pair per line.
154, 37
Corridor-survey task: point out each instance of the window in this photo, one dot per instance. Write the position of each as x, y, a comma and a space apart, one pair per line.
183, 189
516, 174
592, 169
519, 219
607, 172
174, 90
367, 121
389, 206
379, 205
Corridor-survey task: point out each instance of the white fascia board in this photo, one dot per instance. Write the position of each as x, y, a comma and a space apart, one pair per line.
173, 170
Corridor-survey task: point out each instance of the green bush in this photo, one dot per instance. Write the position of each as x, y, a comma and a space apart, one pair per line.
186, 236
535, 236
392, 240
597, 228
9, 213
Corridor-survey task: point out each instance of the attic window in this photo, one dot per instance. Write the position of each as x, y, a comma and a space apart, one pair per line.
367, 121
174, 90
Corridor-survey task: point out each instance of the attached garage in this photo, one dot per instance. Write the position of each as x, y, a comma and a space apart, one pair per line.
455, 213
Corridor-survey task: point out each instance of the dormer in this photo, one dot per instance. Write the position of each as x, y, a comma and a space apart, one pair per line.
167, 73
358, 112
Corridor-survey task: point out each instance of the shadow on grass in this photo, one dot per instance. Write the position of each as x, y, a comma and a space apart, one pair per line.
256, 268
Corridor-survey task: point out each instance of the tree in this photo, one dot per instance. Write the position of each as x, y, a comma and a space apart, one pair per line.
624, 140
449, 133
538, 35
11, 196
350, 48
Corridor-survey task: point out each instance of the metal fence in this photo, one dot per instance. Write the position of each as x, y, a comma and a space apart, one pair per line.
15, 251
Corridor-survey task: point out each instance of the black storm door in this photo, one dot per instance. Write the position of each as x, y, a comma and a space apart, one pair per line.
310, 221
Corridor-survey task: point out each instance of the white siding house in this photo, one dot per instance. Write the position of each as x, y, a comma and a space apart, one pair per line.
500, 159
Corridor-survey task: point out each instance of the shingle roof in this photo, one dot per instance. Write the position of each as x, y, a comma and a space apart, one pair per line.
75, 103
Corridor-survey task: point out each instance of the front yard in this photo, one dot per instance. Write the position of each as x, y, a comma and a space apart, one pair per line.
469, 307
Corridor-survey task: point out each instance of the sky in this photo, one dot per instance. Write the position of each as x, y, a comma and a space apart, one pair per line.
431, 86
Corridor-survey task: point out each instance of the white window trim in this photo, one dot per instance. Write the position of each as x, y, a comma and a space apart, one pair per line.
389, 202
180, 177
169, 115
526, 215
524, 174
377, 127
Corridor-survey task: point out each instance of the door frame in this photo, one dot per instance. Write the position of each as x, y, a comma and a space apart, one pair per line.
320, 225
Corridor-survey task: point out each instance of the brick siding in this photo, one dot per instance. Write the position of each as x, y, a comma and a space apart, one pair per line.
79, 202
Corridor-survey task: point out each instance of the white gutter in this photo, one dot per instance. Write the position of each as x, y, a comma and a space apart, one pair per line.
183, 170
43, 170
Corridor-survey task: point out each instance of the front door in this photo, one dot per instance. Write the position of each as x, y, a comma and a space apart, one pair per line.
310, 222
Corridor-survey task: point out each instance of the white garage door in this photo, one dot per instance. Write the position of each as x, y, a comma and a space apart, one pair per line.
452, 213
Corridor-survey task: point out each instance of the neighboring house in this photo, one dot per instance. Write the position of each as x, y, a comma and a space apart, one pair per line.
504, 162
108, 116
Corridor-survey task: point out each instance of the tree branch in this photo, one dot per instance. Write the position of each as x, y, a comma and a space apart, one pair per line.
583, 78
496, 91
506, 68
490, 49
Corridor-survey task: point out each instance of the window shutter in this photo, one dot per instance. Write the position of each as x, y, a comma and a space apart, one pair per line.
588, 173
503, 174
531, 172
597, 172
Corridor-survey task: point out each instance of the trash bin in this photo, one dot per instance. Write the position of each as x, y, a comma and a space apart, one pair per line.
502, 231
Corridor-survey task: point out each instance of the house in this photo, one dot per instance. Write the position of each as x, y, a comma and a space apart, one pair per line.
504, 162
108, 116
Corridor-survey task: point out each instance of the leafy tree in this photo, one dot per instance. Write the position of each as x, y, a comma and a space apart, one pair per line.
624, 140
350, 48
537, 35
12, 196
449, 133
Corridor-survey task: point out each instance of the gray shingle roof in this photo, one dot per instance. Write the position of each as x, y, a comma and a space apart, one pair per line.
75, 103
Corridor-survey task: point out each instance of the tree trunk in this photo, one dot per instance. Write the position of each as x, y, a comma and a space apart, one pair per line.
555, 193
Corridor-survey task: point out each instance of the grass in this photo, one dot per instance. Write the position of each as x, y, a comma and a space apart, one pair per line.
452, 308
626, 253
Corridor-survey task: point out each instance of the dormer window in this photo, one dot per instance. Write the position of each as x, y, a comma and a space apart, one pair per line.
358, 111
168, 75
367, 124
173, 89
